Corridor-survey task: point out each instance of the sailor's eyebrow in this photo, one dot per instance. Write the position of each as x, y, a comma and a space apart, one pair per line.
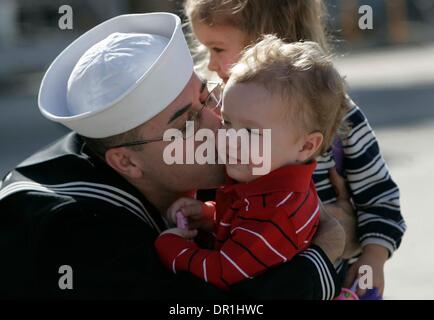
179, 113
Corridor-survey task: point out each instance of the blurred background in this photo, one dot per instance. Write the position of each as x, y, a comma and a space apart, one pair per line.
389, 69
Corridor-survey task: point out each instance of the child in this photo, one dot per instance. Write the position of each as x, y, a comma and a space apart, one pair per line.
224, 28
260, 222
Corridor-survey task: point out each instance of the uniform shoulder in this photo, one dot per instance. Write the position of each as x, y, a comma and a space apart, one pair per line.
43, 210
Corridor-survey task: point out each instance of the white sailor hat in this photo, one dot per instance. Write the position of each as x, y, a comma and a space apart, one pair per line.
117, 75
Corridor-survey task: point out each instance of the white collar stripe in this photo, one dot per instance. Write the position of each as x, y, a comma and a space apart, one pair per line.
96, 185
107, 196
29, 186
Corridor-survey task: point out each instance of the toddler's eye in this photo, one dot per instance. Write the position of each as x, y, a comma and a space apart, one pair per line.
217, 50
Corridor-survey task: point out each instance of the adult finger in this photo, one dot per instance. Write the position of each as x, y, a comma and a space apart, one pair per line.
339, 185
351, 276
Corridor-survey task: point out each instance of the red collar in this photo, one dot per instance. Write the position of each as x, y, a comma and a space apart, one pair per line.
294, 178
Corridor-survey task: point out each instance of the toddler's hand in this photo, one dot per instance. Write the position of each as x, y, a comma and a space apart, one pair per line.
184, 233
193, 211
190, 205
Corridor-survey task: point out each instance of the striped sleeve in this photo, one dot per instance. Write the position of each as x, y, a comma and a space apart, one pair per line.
324, 187
375, 194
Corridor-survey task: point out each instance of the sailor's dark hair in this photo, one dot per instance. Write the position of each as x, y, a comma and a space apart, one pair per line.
100, 146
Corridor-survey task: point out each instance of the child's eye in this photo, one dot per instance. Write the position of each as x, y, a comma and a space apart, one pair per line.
217, 50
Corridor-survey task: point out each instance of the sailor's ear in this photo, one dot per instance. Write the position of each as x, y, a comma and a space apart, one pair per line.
122, 160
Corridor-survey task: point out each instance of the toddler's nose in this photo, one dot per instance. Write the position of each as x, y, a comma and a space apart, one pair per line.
212, 64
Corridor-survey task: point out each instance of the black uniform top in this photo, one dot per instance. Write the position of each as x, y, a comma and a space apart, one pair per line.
64, 206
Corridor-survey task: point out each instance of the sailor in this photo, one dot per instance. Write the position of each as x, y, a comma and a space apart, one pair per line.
79, 218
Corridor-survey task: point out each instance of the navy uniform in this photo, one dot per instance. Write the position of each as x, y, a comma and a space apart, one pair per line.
64, 206
64, 211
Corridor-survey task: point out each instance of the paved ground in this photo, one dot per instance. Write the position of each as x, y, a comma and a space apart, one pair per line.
410, 273
394, 87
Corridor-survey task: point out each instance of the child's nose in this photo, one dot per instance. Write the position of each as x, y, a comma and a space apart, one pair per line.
212, 64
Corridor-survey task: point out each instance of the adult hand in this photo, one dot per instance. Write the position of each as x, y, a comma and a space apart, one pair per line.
330, 236
343, 210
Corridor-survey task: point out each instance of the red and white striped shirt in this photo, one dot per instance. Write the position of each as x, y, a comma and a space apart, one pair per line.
258, 225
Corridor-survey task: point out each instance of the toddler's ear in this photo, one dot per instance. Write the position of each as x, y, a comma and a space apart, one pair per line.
312, 143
